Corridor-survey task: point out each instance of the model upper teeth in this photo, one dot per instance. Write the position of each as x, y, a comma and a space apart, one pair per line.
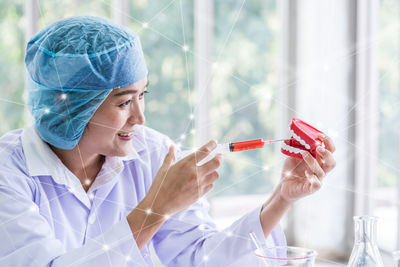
301, 141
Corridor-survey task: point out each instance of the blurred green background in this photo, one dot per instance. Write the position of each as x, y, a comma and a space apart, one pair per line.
244, 80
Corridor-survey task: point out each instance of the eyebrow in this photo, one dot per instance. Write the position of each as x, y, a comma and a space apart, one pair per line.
127, 92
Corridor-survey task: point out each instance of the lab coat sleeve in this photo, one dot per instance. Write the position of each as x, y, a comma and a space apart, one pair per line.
191, 239
27, 239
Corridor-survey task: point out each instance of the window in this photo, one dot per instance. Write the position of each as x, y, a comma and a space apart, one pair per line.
50, 11
12, 45
166, 31
244, 77
244, 86
387, 188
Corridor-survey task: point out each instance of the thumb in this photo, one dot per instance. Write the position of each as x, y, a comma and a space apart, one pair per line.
170, 157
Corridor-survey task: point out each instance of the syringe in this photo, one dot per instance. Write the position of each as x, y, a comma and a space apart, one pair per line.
234, 147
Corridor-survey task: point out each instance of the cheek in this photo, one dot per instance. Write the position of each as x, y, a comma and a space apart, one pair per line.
106, 123
142, 106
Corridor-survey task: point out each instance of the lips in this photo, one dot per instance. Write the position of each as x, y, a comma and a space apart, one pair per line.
125, 136
304, 137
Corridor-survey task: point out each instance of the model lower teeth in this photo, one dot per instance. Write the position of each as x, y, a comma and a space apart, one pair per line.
291, 149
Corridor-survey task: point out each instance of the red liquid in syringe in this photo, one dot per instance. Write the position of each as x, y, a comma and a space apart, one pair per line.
250, 144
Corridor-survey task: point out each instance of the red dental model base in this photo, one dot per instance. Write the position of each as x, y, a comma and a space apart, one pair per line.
303, 137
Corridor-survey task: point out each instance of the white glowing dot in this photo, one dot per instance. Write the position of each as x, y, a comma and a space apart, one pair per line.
87, 182
229, 233
145, 25
205, 258
183, 136
192, 131
202, 227
127, 258
266, 167
33, 208
91, 196
106, 247
288, 173
191, 116
166, 216
185, 48
148, 211
63, 96
46, 110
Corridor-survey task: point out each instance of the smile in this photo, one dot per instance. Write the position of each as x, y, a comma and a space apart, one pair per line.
125, 134
304, 137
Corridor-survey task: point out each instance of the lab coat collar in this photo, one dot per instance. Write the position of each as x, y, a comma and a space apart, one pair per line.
41, 160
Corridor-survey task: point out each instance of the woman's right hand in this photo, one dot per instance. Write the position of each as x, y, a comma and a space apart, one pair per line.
178, 185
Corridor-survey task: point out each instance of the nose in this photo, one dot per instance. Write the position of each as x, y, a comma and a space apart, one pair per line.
136, 113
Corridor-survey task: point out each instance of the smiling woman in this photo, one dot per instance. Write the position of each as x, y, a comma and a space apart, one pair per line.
99, 186
107, 133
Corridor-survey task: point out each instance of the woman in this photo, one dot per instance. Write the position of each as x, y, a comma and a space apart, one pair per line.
88, 185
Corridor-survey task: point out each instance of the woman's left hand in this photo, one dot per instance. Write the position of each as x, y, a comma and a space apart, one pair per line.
302, 177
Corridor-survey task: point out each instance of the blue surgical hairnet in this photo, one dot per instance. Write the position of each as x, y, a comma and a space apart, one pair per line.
73, 65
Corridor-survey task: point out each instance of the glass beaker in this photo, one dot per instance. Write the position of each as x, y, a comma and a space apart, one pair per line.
286, 256
396, 257
365, 251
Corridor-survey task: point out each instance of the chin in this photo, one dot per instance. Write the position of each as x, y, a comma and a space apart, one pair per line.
121, 152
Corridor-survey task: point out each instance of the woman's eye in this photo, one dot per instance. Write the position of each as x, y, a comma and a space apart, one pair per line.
126, 103
142, 94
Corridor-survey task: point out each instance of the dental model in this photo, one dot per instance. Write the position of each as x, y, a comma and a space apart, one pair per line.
303, 137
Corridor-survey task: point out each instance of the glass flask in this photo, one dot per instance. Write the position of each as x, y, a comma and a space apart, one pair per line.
285, 256
396, 258
365, 251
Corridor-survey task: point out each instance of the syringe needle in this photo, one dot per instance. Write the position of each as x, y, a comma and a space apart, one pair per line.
274, 141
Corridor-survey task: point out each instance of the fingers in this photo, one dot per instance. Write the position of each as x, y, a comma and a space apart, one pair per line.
313, 165
325, 159
210, 166
208, 183
204, 151
211, 178
206, 189
328, 142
